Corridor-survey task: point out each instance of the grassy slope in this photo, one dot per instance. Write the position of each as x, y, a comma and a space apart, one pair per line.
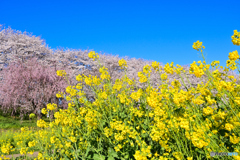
10, 125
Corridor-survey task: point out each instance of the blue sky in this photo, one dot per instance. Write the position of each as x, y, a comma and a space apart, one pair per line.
163, 31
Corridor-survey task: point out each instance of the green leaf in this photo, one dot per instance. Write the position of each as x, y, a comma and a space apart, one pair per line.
126, 157
122, 115
98, 157
90, 156
144, 135
144, 126
78, 151
100, 149
112, 153
88, 149
110, 158
200, 151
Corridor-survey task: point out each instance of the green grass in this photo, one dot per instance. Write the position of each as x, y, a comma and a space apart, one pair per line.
15, 124
10, 125
22, 157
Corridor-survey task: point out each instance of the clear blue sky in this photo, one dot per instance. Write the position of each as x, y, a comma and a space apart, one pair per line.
163, 31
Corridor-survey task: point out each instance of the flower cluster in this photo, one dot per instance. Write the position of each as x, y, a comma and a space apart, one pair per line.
233, 56
236, 38
122, 63
93, 55
231, 64
32, 115
198, 45
198, 70
168, 123
61, 73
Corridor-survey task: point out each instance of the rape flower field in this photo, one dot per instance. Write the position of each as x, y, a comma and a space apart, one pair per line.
169, 124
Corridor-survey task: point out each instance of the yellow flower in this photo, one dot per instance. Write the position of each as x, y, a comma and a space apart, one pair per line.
122, 63
24, 129
61, 73
164, 76
156, 154
207, 111
93, 55
23, 151
197, 45
229, 126
52, 139
73, 139
236, 38
44, 111
31, 115
234, 139
233, 55
155, 65
68, 144
51, 106
31, 144
116, 149
214, 131
79, 78
41, 123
